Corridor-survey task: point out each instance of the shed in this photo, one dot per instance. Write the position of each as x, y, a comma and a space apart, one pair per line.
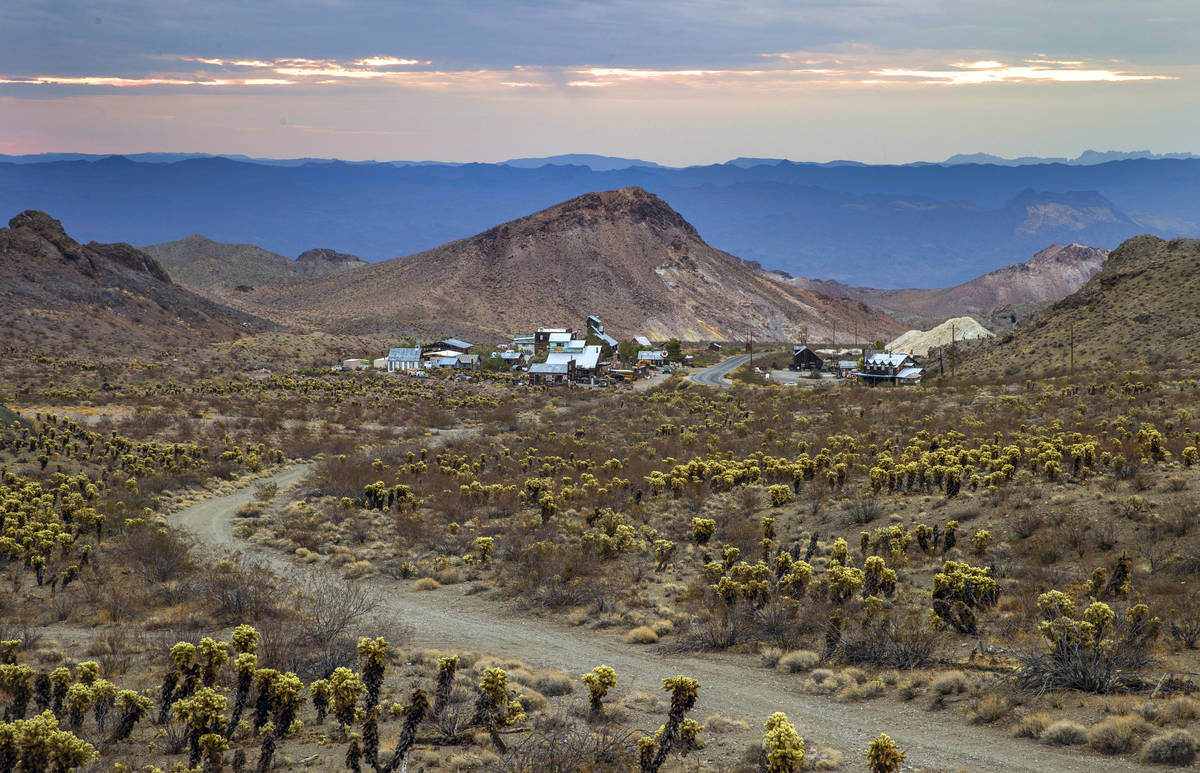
546, 373
804, 358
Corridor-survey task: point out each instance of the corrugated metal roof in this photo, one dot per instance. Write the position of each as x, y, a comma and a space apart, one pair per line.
642, 341
563, 337
589, 358
404, 355
454, 343
510, 355
887, 358
910, 373
547, 368
652, 355
606, 338
847, 364
559, 358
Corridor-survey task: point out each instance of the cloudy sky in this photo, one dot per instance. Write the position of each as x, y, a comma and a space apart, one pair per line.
675, 81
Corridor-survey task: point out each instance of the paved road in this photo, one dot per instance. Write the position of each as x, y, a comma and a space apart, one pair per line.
715, 376
452, 617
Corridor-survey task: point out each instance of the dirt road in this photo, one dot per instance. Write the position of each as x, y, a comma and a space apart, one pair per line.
732, 686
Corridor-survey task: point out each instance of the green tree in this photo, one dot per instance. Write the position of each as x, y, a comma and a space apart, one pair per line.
627, 351
674, 350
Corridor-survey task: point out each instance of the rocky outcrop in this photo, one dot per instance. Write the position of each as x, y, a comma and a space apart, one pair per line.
326, 255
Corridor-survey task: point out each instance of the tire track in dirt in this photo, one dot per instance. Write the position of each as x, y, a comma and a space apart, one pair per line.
731, 685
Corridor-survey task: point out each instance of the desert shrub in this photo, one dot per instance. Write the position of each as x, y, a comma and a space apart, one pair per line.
643, 634
552, 683
1177, 747
1117, 735
715, 723
769, 657
949, 683
1064, 732
989, 708
799, 660
1031, 725
426, 583
155, 553
872, 688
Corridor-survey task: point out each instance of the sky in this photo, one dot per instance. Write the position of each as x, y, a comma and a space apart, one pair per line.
674, 81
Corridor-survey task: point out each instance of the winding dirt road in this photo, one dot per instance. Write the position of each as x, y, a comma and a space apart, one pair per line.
730, 685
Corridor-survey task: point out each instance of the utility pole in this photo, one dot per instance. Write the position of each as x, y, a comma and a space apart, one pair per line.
751, 348
834, 342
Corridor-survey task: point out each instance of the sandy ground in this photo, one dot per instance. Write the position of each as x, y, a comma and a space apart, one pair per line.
731, 685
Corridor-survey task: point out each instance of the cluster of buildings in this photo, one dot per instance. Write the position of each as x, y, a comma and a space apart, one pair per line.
875, 367
549, 355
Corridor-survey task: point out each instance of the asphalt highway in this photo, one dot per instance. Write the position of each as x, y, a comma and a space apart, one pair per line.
715, 376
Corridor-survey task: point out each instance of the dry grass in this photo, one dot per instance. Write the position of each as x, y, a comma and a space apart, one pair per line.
426, 583
1177, 747
1032, 725
1118, 735
643, 634
1064, 732
799, 661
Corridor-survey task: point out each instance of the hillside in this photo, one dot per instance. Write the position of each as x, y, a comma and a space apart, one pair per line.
1139, 312
624, 255
60, 295
203, 264
1051, 274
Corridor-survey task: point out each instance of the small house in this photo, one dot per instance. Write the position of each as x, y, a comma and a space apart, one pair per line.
447, 345
403, 359
542, 338
804, 358
845, 368
524, 342
652, 358
547, 373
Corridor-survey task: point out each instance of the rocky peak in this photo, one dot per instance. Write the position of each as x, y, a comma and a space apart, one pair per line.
326, 255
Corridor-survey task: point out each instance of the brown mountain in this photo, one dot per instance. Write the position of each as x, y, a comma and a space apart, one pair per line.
1138, 312
218, 269
1015, 290
624, 255
56, 293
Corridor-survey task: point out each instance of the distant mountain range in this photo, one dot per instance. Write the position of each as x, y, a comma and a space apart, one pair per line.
624, 255
1086, 158
921, 226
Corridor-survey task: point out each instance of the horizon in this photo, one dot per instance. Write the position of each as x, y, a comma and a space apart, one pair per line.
680, 81
1031, 158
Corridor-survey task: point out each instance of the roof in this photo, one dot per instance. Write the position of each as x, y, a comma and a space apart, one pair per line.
510, 355
653, 355
589, 359
445, 362
468, 358
445, 353
545, 367
847, 363
552, 330
799, 348
606, 338
894, 360
453, 343
562, 337
642, 341
524, 338
404, 355
559, 358
911, 373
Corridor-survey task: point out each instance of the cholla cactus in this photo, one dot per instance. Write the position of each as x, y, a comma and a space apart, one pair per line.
60, 679
245, 639
780, 495
703, 530
884, 756
783, 746
104, 693
445, 684
843, 581
684, 692
373, 653
8, 651
599, 681
320, 698
690, 736
878, 578
484, 546
345, 690
958, 590
38, 744
288, 698
17, 681
132, 708
496, 707
264, 704
840, 552
204, 713
88, 671
949, 536
980, 541
215, 655
79, 700
212, 751
244, 667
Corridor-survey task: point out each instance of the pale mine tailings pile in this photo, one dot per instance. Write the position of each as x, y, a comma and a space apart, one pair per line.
919, 342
